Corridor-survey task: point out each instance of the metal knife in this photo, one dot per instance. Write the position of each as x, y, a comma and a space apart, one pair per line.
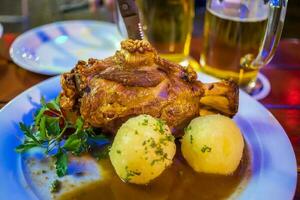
128, 15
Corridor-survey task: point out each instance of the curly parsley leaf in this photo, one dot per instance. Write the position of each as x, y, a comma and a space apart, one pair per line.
39, 115
73, 143
49, 133
28, 131
27, 145
79, 124
53, 105
43, 101
42, 126
52, 125
61, 163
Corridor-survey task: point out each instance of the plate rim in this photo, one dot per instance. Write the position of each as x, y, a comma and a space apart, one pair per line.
25, 34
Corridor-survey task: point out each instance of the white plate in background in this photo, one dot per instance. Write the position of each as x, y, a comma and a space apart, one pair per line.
56, 48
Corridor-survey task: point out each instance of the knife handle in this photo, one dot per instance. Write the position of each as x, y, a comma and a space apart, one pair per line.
127, 8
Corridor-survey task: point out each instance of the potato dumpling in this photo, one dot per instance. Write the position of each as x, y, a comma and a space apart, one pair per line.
213, 144
143, 147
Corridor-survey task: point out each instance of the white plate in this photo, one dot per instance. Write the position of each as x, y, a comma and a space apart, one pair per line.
55, 48
273, 159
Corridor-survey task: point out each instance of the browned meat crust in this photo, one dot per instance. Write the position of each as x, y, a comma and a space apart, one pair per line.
137, 81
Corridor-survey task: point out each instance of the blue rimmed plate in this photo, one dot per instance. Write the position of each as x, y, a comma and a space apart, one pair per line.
55, 48
273, 163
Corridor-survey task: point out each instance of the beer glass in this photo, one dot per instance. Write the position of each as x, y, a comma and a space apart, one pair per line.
240, 37
167, 25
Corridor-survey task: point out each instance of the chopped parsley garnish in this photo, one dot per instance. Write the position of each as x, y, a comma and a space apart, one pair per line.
55, 186
205, 149
188, 128
130, 174
160, 125
163, 157
170, 138
118, 151
191, 139
53, 132
152, 143
159, 151
145, 122
157, 148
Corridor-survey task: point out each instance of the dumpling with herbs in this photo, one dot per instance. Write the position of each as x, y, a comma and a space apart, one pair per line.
142, 149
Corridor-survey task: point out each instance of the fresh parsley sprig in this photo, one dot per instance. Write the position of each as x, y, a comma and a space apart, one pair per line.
52, 132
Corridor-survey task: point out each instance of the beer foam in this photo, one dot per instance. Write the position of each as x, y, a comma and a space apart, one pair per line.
262, 15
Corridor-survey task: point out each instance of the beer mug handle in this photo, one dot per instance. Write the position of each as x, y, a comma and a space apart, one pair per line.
272, 36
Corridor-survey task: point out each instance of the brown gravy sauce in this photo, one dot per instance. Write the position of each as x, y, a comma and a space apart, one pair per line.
178, 182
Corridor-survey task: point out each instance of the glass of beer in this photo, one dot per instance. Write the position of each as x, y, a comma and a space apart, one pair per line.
240, 37
168, 25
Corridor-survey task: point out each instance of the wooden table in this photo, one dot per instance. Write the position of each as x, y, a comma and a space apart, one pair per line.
283, 100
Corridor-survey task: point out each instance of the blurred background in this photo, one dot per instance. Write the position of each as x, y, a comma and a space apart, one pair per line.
19, 15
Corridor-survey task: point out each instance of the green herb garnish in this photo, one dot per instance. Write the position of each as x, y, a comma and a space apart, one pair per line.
130, 174
145, 122
161, 124
167, 138
191, 139
61, 163
188, 128
55, 186
205, 149
52, 132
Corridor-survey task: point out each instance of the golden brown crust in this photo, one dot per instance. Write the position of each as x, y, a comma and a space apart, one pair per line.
137, 81
221, 97
134, 46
